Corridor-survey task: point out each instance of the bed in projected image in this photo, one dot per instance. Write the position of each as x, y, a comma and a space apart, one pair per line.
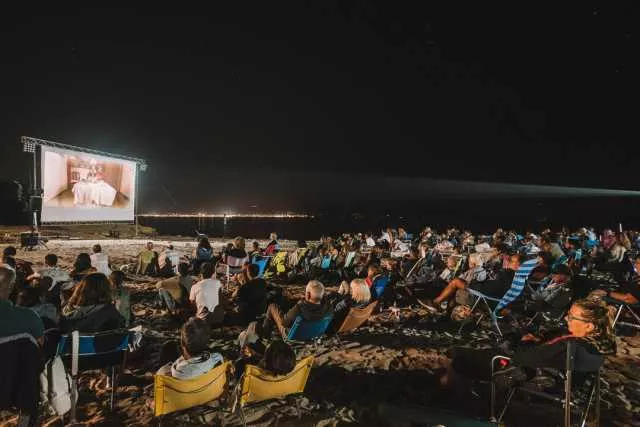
85, 187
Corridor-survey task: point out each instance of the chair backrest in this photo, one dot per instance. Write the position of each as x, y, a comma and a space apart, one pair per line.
261, 262
379, 285
517, 284
235, 262
97, 350
280, 261
258, 385
326, 262
305, 330
357, 317
20, 373
173, 394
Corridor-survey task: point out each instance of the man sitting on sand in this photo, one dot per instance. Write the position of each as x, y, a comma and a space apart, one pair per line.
207, 296
312, 307
174, 291
147, 261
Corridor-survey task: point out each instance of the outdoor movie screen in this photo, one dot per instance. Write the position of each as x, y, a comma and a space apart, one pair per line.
81, 187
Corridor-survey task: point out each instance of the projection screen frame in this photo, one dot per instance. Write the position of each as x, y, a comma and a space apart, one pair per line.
31, 144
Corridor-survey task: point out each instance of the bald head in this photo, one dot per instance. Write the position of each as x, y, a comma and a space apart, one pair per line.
7, 279
314, 291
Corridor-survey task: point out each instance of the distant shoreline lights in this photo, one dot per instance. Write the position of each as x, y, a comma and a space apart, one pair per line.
287, 215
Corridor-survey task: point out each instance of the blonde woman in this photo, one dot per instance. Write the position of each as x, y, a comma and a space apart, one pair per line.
237, 250
351, 295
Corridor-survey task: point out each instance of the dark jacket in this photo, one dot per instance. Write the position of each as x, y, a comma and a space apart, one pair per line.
307, 310
552, 354
20, 374
252, 300
90, 319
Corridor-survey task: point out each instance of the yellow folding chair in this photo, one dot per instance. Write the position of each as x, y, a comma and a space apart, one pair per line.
256, 385
173, 394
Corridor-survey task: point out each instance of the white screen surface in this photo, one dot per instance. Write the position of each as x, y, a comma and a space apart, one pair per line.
82, 187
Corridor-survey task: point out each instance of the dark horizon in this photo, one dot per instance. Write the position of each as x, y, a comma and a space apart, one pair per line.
237, 106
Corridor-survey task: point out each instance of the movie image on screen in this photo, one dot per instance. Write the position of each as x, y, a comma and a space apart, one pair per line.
85, 187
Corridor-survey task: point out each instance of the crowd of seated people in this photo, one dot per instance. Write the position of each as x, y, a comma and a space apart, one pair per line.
433, 270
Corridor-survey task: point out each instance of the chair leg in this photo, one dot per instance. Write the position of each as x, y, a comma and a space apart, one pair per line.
471, 312
74, 399
298, 408
114, 386
512, 393
532, 319
598, 398
634, 314
617, 316
242, 417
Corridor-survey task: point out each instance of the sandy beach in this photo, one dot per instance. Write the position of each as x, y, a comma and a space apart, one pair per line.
383, 374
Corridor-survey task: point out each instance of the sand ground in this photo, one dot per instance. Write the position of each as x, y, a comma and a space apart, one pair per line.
383, 374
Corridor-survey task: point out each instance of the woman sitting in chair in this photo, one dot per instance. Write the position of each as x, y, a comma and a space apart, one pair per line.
90, 309
195, 358
589, 327
350, 295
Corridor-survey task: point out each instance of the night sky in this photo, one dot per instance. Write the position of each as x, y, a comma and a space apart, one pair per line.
233, 105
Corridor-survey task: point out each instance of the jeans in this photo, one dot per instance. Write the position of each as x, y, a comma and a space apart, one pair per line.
165, 296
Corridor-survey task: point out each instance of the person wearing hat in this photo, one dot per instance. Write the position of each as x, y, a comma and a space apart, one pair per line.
556, 296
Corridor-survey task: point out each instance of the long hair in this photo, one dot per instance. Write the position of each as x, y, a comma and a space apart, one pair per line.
204, 243
92, 290
360, 292
83, 262
598, 314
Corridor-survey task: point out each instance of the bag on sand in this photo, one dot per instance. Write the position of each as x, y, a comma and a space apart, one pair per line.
56, 386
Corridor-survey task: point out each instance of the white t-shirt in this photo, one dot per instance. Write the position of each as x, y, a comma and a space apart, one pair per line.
100, 261
205, 295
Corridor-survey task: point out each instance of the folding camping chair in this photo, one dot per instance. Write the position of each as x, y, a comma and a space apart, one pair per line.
379, 286
173, 394
261, 262
356, 318
577, 360
621, 307
517, 285
234, 266
21, 379
278, 264
257, 385
94, 351
309, 330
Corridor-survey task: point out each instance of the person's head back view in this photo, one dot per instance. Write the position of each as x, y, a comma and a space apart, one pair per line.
206, 270
83, 262
7, 279
93, 290
183, 269
279, 358
194, 337
51, 260
314, 291
97, 249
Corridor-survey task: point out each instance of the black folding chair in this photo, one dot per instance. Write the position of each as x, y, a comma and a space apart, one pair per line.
577, 360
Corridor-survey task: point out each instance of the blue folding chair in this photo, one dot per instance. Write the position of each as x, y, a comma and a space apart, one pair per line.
517, 286
262, 263
309, 330
379, 285
95, 351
